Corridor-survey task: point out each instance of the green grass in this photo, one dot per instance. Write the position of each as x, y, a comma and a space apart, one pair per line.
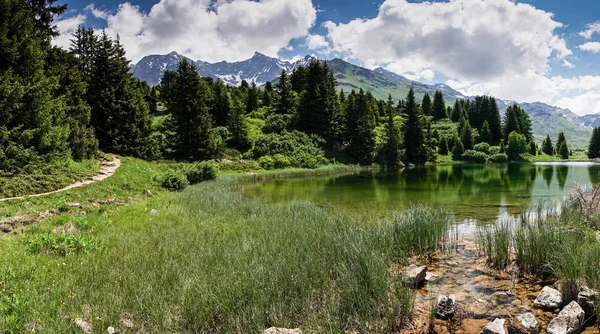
38, 179
208, 260
579, 156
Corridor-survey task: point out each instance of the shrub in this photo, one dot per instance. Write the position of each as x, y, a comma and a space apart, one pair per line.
59, 243
517, 144
474, 156
482, 147
494, 150
280, 161
288, 149
499, 158
267, 162
173, 181
277, 123
204, 171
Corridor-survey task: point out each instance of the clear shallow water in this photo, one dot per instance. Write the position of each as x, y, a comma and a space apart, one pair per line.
473, 192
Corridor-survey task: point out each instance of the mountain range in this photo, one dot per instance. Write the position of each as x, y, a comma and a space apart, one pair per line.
546, 119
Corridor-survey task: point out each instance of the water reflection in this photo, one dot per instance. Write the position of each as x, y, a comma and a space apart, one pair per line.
480, 192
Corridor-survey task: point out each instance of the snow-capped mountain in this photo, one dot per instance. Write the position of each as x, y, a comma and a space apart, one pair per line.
259, 68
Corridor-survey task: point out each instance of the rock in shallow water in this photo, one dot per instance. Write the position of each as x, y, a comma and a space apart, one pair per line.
568, 321
274, 330
413, 275
527, 323
549, 298
446, 307
494, 327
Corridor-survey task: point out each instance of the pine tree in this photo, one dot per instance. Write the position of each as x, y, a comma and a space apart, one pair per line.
532, 148
594, 147
252, 101
458, 151
456, 112
189, 106
414, 138
443, 150
267, 100
561, 139
221, 107
547, 146
494, 122
285, 103
485, 136
466, 134
563, 150
391, 148
426, 106
439, 106
361, 128
238, 129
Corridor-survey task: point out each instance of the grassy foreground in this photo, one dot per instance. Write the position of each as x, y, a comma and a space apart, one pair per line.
204, 260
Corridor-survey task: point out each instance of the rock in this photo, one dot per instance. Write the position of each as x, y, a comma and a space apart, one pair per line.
494, 327
111, 330
527, 323
411, 166
586, 298
568, 321
413, 275
549, 298
74, 205
127, 322
82, 213
153, 212
85, 326
274, 330
445, 307
429, 276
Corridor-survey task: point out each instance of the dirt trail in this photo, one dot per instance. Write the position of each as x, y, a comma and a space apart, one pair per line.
107, 169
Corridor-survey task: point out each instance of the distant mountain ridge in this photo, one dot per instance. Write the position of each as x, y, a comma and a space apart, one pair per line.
546, 119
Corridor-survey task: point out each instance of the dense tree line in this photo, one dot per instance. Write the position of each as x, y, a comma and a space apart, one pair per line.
58, 103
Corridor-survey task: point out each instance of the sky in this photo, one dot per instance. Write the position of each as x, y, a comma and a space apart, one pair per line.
528, 51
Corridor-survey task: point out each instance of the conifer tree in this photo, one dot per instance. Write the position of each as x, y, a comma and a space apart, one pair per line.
189, 103
439, 106
456, 112
561, 139
285, 103
238, 129
414, 137
391, 148
494, 122
594, 147
426, 106
221, 107
458, 151
532, 148
547, 146
252, 101
485, 136
466, 134
361, 128
443, 149
563, 150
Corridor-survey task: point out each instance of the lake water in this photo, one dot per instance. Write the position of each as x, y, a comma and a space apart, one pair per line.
473, 192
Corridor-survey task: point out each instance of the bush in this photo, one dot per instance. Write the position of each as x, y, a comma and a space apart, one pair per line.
494, 150
59, 243
517, 144
174, 181
267, 162
204, 171
499, 158
288, 149
277, 123
482, 147
474, 156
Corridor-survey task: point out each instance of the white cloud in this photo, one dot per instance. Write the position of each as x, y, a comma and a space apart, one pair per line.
98, 13
592, 28
567, 64
583, 104
209, 30
67, 27
593, 47
463, 39
315, 42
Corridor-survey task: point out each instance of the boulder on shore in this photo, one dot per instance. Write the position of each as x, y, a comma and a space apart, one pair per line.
587, 300
549, 299
494, 327
527, 323
446, 306
413, 275
569, 320
274, 330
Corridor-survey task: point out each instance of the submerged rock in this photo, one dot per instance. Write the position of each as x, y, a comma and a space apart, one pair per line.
568, 321
413, 275
274, 330
446, 306
494, 327
527, 323
586, 298
549, 298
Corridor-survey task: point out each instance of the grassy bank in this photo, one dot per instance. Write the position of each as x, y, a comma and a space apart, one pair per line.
46, 178
207, 260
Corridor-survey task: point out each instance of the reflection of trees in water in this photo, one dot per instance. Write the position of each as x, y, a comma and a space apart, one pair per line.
562, 173
547, 173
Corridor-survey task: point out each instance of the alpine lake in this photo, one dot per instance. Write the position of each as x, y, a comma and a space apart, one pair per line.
477, 196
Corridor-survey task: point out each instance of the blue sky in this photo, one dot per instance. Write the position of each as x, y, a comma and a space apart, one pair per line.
535, 50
